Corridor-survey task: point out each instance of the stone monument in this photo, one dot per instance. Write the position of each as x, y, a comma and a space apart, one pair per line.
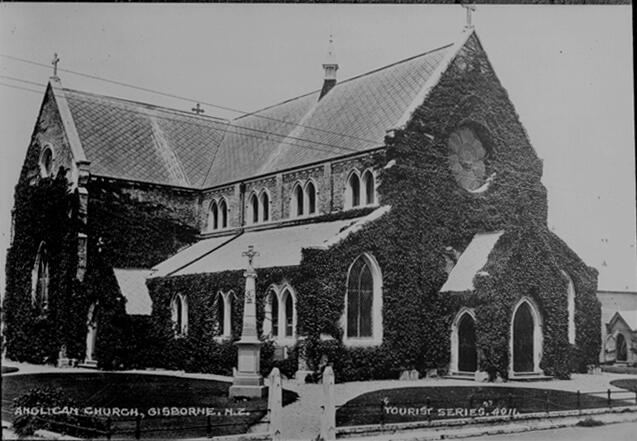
247, 381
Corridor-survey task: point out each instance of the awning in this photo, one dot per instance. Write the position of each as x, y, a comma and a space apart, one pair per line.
471, 261
276, 247
132, 285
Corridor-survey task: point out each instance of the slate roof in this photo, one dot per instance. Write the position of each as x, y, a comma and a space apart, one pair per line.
132, 285
277, 247
470, 262
135, 141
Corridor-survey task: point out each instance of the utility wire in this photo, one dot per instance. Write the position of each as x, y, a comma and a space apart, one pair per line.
190, 100
423, 169
228, 123
236, 128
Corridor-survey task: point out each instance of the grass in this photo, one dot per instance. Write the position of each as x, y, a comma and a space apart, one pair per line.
626, 383
143, 392
422, 403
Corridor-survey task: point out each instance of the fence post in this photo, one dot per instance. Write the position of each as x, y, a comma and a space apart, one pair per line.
108, 428
382, 412
579, 403
138, 427
546, 401
428, 404
328, 419
275, 404
471, 401
208, 426
610, 404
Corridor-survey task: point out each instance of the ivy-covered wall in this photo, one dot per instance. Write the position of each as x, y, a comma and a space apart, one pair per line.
430, 212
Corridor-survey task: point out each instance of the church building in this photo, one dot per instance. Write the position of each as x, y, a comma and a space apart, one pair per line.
399, 218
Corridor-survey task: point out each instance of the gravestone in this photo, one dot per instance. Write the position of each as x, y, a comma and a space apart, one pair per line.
432, 373
414, 375
481, 376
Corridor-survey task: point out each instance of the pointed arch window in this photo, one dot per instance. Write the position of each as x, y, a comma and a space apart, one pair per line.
363, 305
271, 319
223, 214
369, 185
298, 201
254, 209
570, 303
353, 196
288, 313
310, 196
179, 312
40, 279
223, 314
265, 206
213, 216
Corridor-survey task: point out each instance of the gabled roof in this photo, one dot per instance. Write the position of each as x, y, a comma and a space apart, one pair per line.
135, 141
628, 317
141, 142
353, 117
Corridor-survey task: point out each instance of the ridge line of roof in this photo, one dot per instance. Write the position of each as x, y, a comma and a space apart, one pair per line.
125, 101
338, 83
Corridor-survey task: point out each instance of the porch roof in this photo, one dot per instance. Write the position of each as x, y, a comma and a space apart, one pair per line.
132, 285
278, 246
471, 261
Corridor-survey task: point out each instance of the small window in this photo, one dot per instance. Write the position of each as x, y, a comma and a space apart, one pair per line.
223, 314
288, 314
265, 206
353, 191
223, 213
310, 192
179, 310
254, 209
40, 279
46, 162
271, 319
298, 201
370, 188
213, 216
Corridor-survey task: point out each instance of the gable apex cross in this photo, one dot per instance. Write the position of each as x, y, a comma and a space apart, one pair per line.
470, 9
54, 63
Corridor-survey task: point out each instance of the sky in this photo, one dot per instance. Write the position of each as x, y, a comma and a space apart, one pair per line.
567, 69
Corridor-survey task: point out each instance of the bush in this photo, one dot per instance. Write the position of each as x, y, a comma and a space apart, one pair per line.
47, 398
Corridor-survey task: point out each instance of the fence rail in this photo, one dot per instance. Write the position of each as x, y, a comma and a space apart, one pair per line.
141, 426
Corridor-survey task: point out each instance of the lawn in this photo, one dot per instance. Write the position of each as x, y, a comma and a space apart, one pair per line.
152, 395
424, 403
626, 383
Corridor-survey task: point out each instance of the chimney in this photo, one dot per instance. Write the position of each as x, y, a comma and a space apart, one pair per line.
330, 66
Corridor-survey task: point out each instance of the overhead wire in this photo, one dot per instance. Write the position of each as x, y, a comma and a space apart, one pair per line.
190, 100
227, 124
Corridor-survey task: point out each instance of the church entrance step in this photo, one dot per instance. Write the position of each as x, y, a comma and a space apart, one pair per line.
529, 376
88, 364
461, 375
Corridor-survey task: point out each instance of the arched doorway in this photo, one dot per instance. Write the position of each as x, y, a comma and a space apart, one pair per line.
467, 353
523, 339
621, 350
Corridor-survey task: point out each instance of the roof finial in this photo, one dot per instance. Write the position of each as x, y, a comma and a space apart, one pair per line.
197, 109
470, 9
55, 62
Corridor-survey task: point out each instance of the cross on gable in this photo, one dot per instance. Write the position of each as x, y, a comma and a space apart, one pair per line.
55, 62
250, 254
197, 109
470, 9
